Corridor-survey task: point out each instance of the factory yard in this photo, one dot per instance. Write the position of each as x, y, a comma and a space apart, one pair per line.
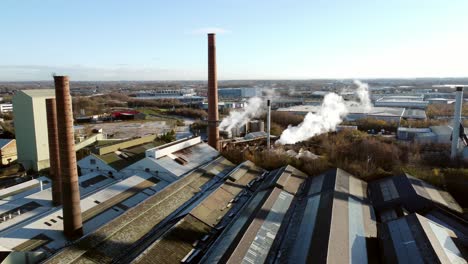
132, 128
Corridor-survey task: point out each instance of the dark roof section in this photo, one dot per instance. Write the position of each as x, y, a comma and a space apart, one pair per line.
333, 222
125, 157
410, 193
199, 224
416, 239
252, 233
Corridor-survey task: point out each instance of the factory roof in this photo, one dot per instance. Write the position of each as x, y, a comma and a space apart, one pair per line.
196, 225
416, 239
414, 130
414, 114
353, 109
124, 157
335, 222
184, 160
296, 219
255, 135
264, 213
411, 193
42, 231
39, 92
120, 236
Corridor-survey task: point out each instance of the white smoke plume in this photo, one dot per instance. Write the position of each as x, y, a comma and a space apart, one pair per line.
255, 107
363, 94
330, 114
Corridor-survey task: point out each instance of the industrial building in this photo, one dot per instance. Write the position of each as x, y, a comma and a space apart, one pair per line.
6, 108
402, 101
297, 219
355, 113
186, 96
29, 109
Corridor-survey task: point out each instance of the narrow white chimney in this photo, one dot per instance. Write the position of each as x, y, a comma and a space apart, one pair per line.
456, 122
268, 123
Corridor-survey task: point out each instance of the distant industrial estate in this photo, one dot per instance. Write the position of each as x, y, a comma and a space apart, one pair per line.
247, 172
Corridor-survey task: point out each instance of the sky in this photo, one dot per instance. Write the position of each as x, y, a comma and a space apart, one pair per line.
256, 39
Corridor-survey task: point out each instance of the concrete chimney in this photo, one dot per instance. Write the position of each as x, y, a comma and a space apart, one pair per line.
268, 123
54, 156
72, 222
456, 122
213, 129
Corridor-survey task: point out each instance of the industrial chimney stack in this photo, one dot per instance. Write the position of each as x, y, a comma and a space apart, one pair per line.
72, 222
268, 123
54, 156
456, 122
213, 130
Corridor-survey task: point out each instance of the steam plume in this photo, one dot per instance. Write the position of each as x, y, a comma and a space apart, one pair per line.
363, 94
253, 108
331, 113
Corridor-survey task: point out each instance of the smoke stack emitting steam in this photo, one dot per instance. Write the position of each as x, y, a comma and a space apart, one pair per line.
54, 156
72, 222
331, 113
213, 130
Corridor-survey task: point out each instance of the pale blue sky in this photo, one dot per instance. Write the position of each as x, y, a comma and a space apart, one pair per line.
166, 40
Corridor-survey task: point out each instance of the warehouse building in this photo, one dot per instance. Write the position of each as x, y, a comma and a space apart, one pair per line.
402, 101
355, 112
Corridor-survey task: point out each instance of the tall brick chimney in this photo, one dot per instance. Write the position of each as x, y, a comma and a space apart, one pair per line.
213, 130
72, 222
54, 156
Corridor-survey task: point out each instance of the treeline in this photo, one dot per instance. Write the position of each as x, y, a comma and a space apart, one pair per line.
434, 110
365, 156
189, 112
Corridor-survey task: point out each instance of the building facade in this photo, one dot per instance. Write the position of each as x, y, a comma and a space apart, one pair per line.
29, 109
6, 108
8, 151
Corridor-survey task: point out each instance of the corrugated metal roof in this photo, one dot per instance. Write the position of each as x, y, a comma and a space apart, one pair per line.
416, 239
411, 193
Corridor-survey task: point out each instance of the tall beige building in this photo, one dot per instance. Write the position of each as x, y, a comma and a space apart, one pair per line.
29, 110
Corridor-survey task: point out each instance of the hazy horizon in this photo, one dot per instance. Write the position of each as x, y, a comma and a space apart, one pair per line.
261, 40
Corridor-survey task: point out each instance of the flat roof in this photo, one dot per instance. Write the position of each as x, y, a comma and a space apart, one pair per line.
393, 111
39, 92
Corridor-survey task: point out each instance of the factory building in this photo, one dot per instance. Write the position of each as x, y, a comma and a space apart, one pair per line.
355, 113
29, 109
241, 92
6, 108
402, 101
186, 96
297, 219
